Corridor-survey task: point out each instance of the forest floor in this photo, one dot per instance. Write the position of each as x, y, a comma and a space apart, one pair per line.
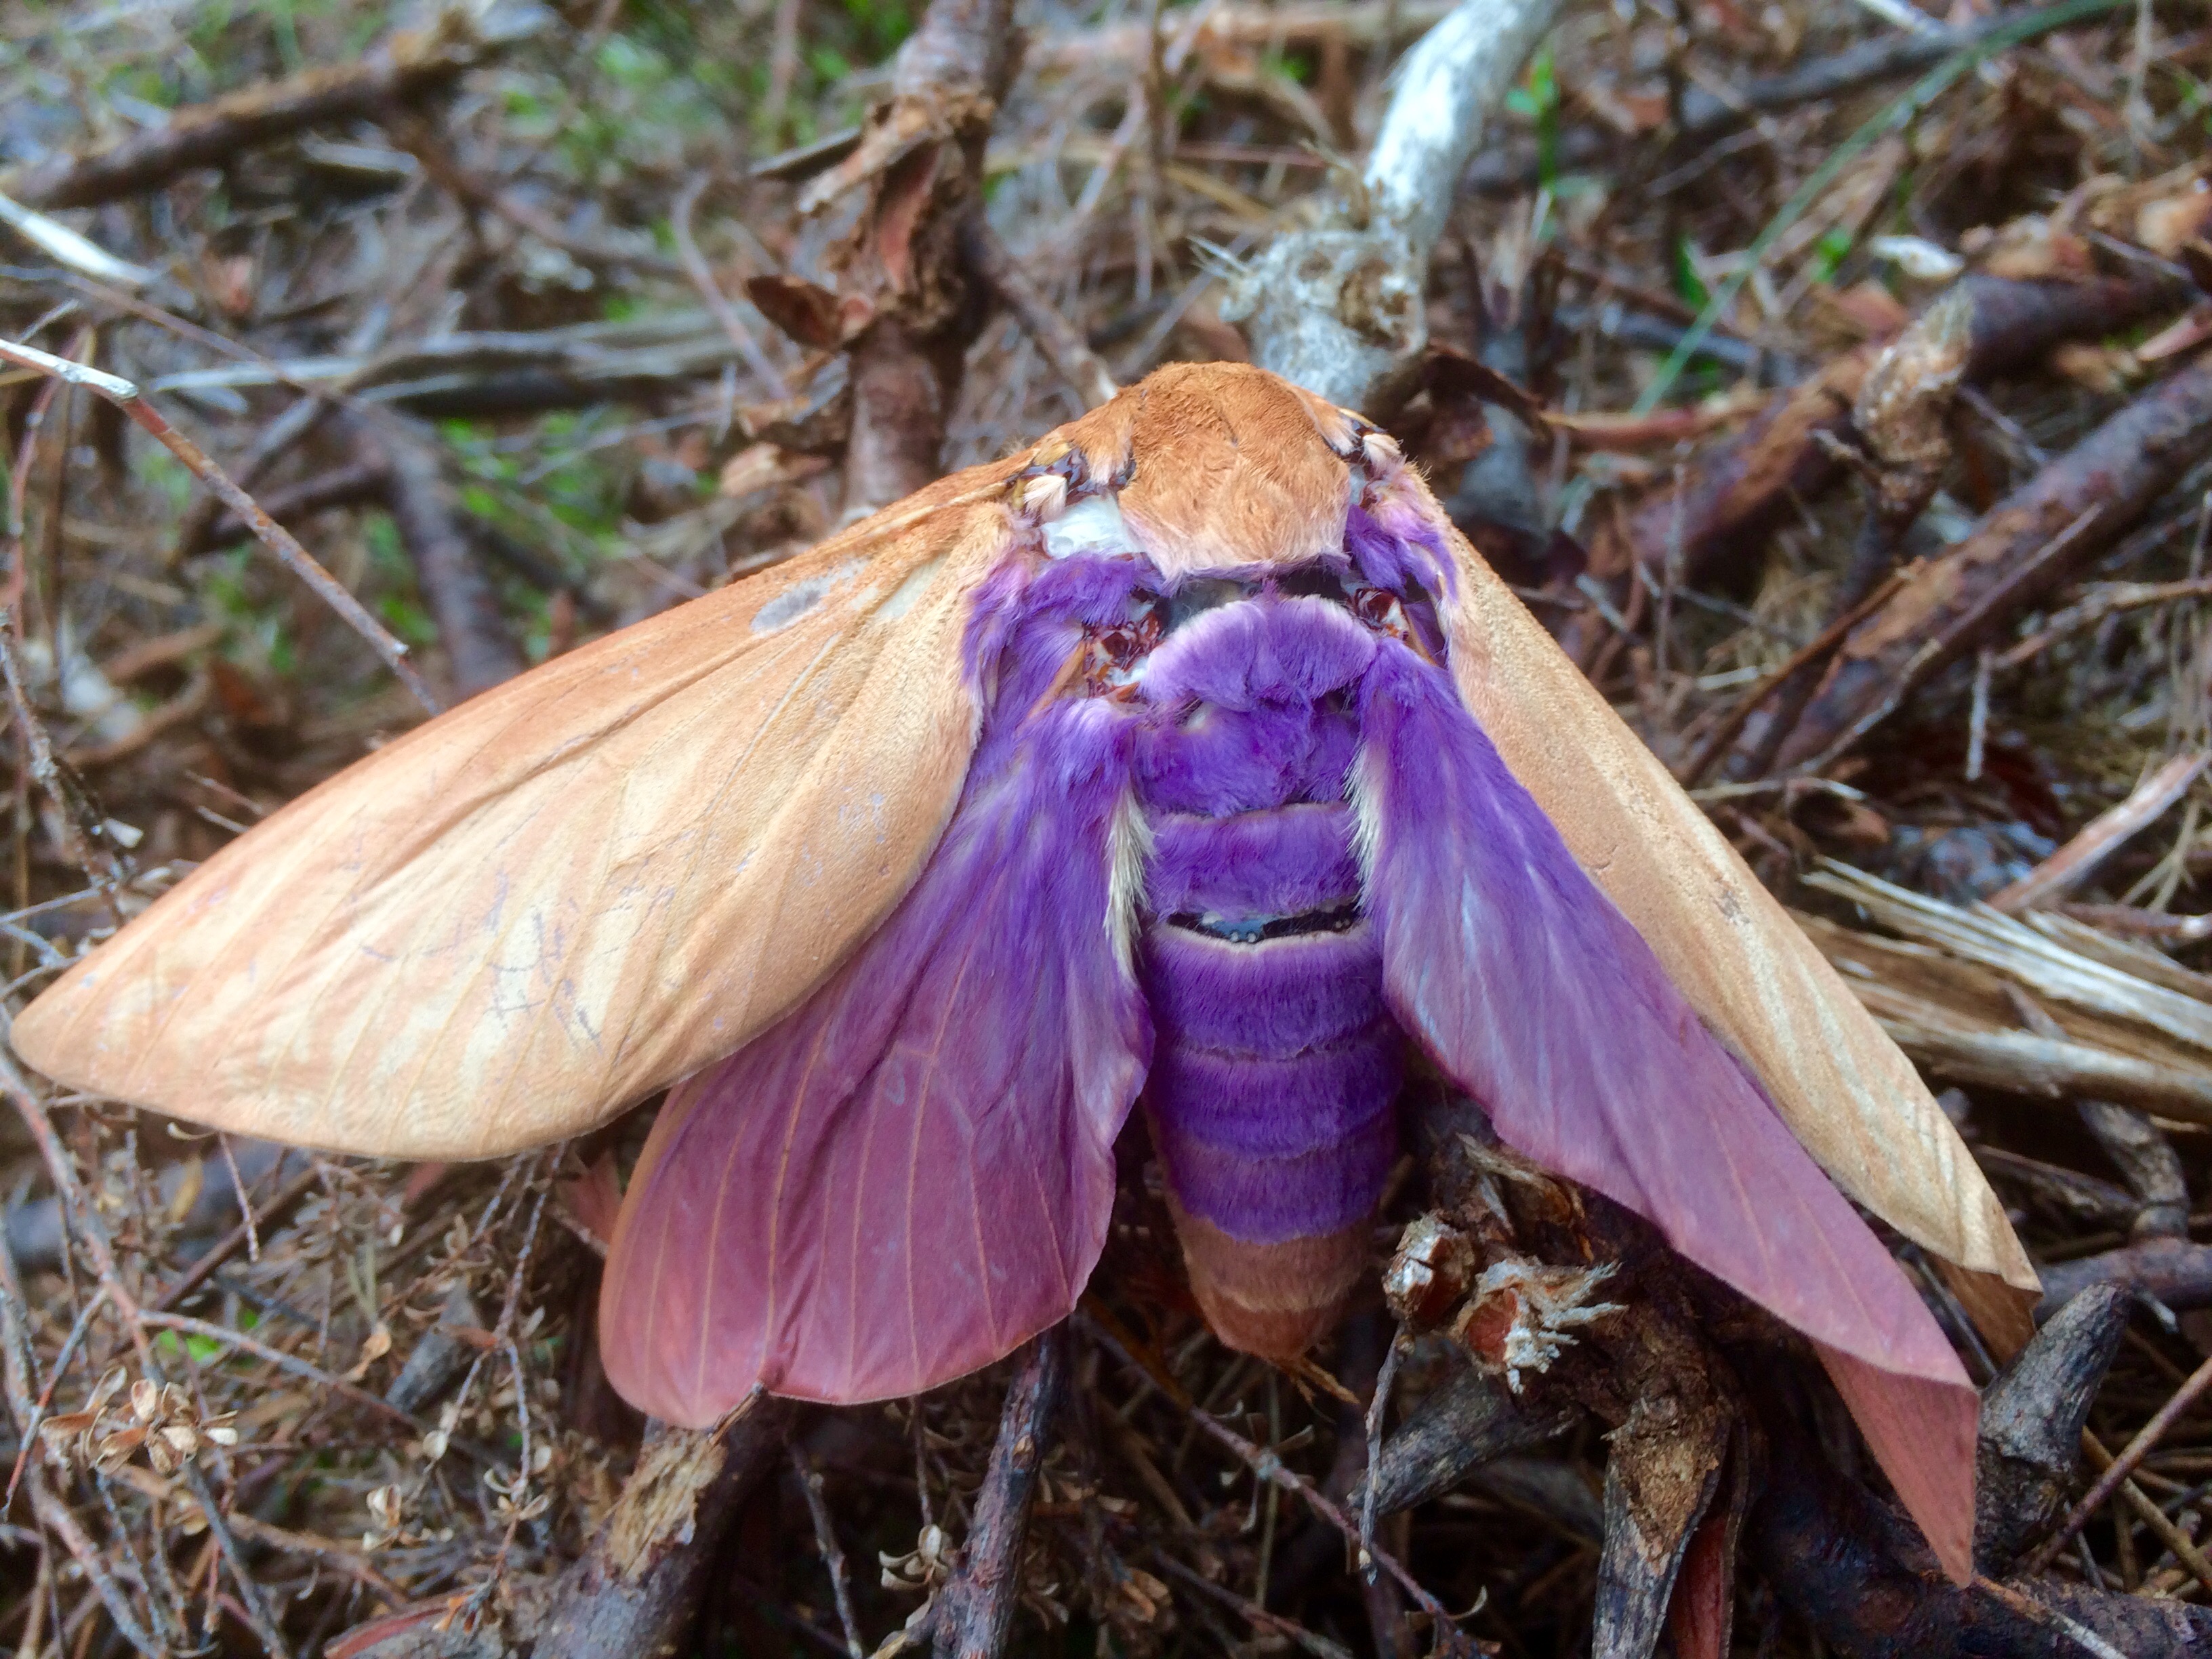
526, 322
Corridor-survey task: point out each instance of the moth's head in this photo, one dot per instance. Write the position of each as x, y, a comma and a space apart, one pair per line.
1206, 469
1205, 485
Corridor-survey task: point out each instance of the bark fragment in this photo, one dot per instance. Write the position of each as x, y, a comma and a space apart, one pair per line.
636, 1590
2025, 546
2032, 1420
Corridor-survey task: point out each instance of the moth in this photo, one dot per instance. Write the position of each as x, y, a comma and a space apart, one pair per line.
1187, 761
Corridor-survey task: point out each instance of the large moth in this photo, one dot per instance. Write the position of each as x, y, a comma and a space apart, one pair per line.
1186, 758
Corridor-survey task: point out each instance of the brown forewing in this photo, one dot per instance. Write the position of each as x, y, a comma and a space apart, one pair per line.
575, 888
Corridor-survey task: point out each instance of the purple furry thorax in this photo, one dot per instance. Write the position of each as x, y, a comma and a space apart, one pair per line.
1276, 1066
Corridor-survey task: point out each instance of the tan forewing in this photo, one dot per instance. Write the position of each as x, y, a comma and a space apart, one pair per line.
1847, 1092
575, 888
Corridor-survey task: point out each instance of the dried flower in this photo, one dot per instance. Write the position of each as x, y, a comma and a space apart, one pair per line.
1521, 1311
1429, 1272
923, 1568
163, 1422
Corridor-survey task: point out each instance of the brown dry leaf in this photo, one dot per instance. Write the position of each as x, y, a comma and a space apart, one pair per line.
2029, 249
763, 466
2107, 370
378, 1344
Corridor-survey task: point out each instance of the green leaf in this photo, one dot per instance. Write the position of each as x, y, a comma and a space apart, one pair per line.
1687, 282
1831, 250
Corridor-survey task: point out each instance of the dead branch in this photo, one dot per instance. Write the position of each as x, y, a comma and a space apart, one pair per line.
480, 650
1863, 1579
2032, 1420
833, 1557
409, 66
1718, 520
1663, 1473
2022, 549
920, 162
1341, 308
636, 1590
1468, 1422
2141, 1152
975, 1610
1900, 424
2169, 1271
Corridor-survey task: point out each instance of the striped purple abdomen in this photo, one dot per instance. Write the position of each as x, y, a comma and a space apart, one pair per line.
1277, 1066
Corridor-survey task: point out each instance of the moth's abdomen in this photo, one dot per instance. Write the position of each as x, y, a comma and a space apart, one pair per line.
1276, 1066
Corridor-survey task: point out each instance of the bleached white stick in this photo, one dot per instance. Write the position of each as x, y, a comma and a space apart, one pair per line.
1339, 308
1442, 93
57, 240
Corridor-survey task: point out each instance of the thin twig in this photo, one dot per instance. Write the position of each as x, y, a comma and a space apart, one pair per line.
1269, 1468
975, 1610
1257, 1616
46, 771
126, 397
55, 1517
245, 1199
825, 1540
1378, 1409
703, 278
186, 1325
1064, 348
77, 1332
226, 1247
1813, 651
2123, 1466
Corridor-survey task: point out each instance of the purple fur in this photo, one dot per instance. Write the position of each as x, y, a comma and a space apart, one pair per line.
1272, 1089
1275, 863
1262, 1108
1272, 1200
1026, 622
1384, 560
1215, 761
1404, 548
1416, 569
1257, 652
1277, 999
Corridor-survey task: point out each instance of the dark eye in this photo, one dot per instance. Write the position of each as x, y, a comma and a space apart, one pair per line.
1380, 610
